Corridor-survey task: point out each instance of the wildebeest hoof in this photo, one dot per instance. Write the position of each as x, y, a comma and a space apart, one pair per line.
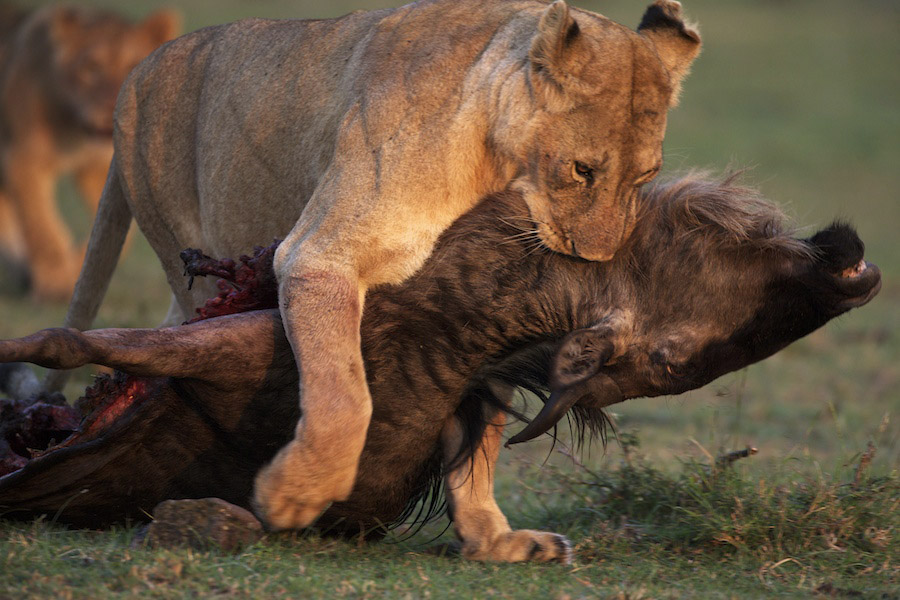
203, 524
523, 545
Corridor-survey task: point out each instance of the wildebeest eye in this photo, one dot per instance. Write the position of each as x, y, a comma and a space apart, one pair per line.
582, 173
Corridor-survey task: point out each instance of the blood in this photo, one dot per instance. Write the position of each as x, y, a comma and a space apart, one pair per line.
245, 286
30, 428
27, 427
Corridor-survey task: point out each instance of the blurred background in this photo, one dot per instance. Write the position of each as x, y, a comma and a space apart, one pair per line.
806, 93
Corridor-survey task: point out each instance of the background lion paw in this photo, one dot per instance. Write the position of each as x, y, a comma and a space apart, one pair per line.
54, 283
522, 545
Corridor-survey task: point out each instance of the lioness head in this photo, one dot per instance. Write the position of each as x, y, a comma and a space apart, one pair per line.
92, 51
601, 93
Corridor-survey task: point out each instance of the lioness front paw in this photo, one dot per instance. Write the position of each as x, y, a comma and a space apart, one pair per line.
522, 545
292, 491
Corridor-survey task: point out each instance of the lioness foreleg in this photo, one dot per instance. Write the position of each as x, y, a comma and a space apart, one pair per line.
483, 529
319, 465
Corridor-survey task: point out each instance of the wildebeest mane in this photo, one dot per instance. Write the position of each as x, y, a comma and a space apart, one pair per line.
527, 372
716, 210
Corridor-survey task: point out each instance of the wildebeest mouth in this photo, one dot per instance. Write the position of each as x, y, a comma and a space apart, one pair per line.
861, 283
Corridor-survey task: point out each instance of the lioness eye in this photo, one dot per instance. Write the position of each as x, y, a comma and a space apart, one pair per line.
647, 175
582, 173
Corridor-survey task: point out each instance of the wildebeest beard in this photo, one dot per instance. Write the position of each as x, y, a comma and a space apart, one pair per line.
698, 290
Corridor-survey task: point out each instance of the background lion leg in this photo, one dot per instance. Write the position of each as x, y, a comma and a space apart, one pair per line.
90, 179
12, 246
31, 187
483, 529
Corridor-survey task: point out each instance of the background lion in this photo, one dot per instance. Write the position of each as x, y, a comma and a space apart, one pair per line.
60, 71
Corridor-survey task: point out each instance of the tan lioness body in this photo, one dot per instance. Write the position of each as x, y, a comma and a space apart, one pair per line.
361, 139
60, 71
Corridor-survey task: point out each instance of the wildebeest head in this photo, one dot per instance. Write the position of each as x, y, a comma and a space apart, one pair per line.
706, 286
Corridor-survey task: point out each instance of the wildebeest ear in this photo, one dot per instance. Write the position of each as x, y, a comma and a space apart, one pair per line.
580, 357
575, 374
676, 42
557, 33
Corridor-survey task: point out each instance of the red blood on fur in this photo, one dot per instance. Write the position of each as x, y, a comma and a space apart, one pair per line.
109, 398
28, 430
29, 427
251, 285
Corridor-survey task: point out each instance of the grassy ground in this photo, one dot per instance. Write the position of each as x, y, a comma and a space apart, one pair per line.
807, 93
639, 533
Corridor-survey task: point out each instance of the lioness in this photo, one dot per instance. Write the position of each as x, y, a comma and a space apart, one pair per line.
60, 71
361, 139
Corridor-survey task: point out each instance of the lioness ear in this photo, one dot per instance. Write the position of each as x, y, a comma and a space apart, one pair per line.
557, 32
66, 22
162, 25
677, 43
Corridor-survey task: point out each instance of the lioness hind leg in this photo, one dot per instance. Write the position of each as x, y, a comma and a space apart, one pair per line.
90, 178
483, 529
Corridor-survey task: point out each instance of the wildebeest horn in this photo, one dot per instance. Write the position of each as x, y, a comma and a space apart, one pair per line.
573, 376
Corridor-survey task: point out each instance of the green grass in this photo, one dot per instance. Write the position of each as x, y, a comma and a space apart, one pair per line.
640, 532
805, 92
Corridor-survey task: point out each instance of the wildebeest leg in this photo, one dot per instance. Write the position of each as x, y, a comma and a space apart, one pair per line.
483, 529
220, 351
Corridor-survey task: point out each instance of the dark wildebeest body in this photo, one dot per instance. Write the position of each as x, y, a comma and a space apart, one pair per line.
708, 283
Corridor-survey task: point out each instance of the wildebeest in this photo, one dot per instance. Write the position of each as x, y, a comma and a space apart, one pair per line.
709, 282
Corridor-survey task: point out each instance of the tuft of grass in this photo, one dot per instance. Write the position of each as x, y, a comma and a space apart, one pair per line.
719, 511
